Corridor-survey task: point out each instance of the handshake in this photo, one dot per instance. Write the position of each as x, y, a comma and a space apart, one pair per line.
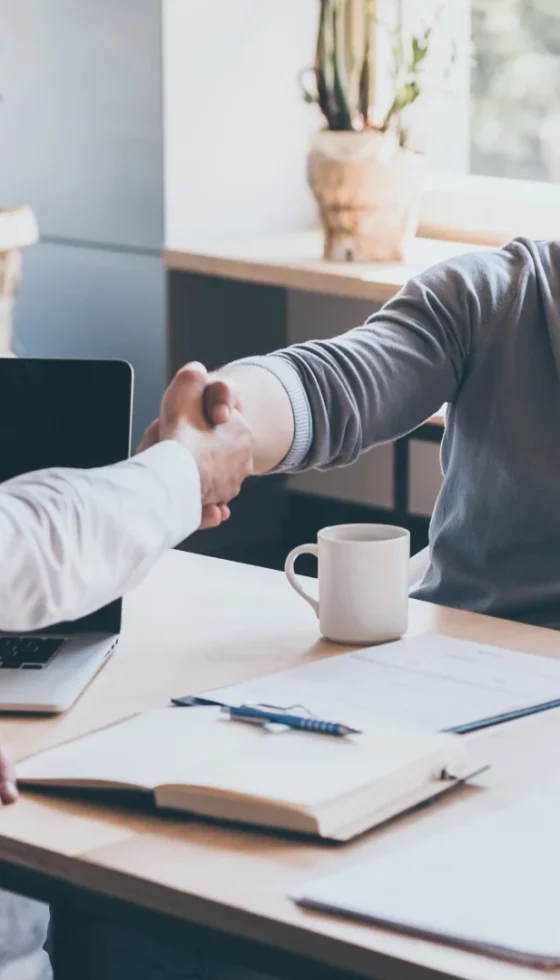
203, 413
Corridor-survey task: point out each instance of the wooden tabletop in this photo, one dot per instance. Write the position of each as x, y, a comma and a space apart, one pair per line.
198, 622
294, 261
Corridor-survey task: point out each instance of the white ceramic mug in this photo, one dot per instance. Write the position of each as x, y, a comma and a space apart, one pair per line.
363, 581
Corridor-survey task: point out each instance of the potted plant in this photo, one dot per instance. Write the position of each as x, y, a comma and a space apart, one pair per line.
18, 228
365, 176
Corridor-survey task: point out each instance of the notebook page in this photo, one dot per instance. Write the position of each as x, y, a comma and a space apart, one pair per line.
493, 884
151, 749
434, 682
307, 770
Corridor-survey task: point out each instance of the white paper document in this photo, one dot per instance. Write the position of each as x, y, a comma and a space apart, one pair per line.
426, 681
492, 885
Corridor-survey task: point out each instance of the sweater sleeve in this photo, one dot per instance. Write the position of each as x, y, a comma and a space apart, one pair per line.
380, 381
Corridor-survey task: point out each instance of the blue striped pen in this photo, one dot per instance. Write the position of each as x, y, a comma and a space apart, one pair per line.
258, 717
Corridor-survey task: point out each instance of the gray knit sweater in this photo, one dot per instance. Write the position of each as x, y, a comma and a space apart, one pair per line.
481, 332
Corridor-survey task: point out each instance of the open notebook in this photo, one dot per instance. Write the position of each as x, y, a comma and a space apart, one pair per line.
201, 762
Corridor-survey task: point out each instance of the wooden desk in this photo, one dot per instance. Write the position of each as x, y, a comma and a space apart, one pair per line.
197, 622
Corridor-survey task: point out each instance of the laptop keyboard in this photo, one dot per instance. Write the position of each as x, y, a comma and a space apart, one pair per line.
27, 652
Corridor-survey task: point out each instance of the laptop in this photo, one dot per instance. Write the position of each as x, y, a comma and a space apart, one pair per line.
74, 413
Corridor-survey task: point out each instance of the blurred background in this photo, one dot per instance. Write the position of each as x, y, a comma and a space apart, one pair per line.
515, 89
162, 147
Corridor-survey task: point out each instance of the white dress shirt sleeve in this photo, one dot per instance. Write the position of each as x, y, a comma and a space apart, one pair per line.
73, 540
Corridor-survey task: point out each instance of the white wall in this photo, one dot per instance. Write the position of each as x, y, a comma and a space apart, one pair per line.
236, 130
80, 131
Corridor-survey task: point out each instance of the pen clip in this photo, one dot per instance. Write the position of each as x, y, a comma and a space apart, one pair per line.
283, 708
451, 777
273, 727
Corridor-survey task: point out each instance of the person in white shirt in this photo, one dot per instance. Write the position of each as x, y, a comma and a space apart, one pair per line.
99, 947
73, 540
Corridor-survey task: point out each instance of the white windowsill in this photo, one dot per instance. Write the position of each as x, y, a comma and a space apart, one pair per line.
489, 210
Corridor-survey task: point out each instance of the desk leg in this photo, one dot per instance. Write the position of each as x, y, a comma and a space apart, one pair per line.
401, 479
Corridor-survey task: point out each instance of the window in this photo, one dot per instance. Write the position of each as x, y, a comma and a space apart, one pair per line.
496, 164
515, 89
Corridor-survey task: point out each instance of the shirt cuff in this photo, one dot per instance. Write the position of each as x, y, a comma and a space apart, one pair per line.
281, 368
177, 472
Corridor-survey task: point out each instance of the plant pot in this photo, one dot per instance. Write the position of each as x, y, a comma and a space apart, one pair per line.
18, 228
368, 189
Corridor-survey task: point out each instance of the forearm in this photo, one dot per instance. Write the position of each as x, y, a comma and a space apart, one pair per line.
73, 540
368, 386
268, 408
323, 403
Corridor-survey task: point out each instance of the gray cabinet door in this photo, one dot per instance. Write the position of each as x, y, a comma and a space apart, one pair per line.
80, 302
81, 117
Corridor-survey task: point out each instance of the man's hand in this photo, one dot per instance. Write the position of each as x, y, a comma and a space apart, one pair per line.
221, 398
266, 407
223, 451
8, 788
212, 514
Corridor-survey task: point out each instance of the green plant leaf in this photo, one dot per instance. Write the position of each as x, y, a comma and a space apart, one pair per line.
343, 77
323, 60
343, 120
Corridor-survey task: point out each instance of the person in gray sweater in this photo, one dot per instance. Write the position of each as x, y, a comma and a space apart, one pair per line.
482, 333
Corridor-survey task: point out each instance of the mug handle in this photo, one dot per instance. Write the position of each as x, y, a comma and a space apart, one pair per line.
302, 549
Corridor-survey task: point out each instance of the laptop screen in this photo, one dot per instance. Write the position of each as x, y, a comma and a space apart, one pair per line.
65, 413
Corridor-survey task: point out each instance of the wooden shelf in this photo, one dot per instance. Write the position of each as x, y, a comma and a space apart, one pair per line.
438, 419
293, 261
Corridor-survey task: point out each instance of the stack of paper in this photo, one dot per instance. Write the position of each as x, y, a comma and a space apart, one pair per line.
432, 682
490, 886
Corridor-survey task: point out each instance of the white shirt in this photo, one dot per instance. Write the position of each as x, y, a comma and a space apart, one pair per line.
73, 540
